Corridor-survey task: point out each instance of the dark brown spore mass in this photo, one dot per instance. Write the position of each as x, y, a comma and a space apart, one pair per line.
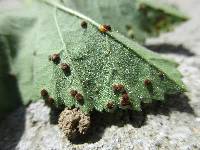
118, 88
73, 93
107, 27
55, 58
65, 67
110, 105
50, 101
44, 93
147, 82
79, 97
84, 24
125, 100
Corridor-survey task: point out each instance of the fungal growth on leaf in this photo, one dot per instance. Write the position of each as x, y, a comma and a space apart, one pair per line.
87, 70
55, 58
49, 101
44, 93
79, 97
147, 82
73, 93
118, 88
104, 28
65, 67
108, 71
110, 105
84, 24
125, 100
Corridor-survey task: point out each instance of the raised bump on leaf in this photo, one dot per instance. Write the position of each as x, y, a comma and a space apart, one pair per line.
118, 88
65, 67
147, 82
79, 97
110, 105
44, 93
125, 100
55, 58
84, 24
73, 93
104, 28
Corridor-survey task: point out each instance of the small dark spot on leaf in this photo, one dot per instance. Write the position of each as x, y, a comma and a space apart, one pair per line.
110, 105
55, 58
50, 101
147, 82
73, 93
44, 93
84, 24
125, 100
118, 88
65, 67
79, 97
105, 28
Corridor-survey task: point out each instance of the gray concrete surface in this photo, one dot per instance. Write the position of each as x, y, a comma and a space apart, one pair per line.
173, 125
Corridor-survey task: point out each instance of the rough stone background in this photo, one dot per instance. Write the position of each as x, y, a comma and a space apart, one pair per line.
173, 125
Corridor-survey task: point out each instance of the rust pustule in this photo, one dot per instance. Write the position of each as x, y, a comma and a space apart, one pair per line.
79, 97
105, 28
44, 93
65, 67
110, 105
50, 101
73, 93
125, 100
55, 58
147, 82
118, 88
84, 24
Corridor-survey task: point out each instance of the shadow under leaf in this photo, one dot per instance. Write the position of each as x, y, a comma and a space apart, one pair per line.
101, 120
179, 102
12, 129
169, 48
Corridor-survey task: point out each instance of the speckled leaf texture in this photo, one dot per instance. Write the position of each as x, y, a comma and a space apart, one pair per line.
136, 19
98, 61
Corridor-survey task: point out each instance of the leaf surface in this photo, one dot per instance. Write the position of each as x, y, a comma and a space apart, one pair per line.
97, 60
136, 19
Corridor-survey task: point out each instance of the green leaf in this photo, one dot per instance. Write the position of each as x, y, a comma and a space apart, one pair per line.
136, 19
97, 60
